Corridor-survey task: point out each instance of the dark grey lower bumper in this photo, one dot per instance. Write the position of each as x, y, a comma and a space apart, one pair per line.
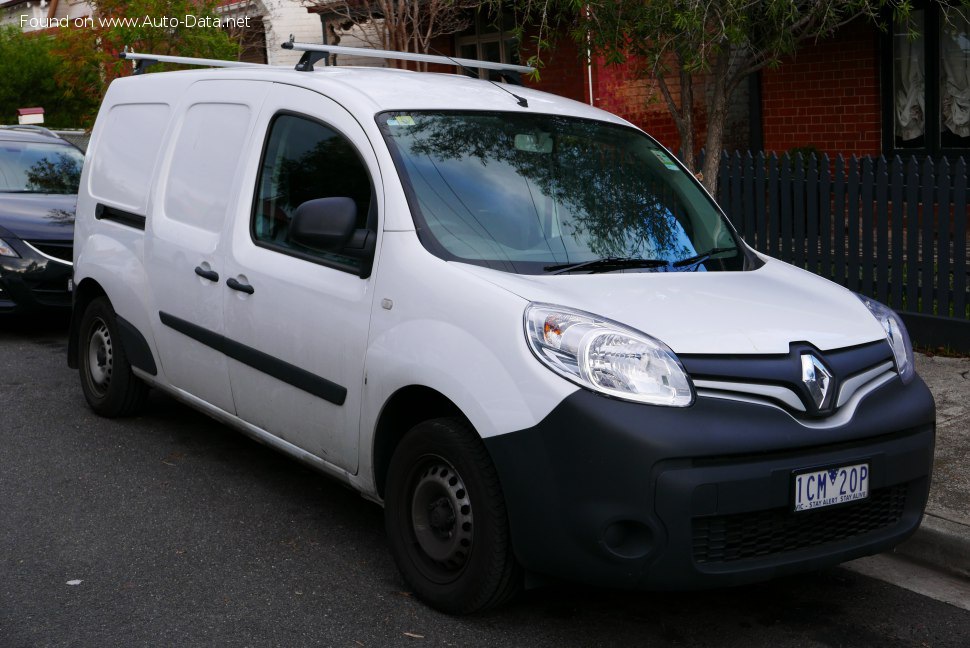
620, 494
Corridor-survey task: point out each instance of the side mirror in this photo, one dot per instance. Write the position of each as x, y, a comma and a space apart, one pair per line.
324, 223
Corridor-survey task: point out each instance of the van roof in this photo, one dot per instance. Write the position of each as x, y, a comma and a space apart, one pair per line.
373, 90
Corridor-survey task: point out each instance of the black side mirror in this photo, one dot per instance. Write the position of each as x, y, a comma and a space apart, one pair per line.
324, 223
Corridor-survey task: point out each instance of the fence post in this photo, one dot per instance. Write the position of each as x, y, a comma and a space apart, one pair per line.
774, 218
839, 223
960, 240
785, 190
852, 223
882, 230
865, 228
759, 201
945, 222
898, 216
927, 240
912, 235
825, 216
811, 213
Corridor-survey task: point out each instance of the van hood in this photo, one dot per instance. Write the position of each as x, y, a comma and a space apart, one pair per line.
754, 312
38, 217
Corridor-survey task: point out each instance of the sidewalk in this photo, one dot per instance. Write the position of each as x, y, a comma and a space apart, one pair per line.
943, 540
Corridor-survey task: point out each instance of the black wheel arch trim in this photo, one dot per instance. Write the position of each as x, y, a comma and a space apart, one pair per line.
136, 347
270, 365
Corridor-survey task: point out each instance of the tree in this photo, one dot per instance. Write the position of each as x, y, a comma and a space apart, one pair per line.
685, 45
27, 71
402, 25
89, 55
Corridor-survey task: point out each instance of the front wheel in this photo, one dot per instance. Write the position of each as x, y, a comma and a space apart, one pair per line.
109, 386
446, 520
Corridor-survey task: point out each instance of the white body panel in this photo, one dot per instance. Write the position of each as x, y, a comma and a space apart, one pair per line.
186, 227
462, 336
760, 311
308, 315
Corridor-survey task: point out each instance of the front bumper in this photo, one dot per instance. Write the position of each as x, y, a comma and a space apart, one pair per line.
625, 495
33, 281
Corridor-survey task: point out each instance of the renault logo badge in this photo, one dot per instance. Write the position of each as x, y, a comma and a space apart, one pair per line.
818, 380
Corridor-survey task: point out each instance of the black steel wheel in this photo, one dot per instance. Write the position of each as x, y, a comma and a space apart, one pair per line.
109, 386
446, 519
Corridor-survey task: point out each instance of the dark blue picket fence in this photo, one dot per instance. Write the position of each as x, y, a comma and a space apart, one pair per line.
894, 230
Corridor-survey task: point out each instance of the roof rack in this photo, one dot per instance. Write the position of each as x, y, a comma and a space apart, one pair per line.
30, 127
144, 60
313, 53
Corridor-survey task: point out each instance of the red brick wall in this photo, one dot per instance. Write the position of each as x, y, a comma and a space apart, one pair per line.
563, 73
826, 96
616, 88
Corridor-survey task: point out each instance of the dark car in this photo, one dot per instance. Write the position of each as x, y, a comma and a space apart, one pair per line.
39, 175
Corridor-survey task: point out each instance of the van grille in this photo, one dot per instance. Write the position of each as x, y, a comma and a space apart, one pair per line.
743, 536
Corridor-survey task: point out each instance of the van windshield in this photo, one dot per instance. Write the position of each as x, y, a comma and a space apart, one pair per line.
535, 194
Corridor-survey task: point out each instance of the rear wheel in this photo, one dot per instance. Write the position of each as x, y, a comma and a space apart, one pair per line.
109, 386
446, 520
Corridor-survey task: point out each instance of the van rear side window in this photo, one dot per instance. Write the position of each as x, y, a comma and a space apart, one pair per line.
125, 155
204, 163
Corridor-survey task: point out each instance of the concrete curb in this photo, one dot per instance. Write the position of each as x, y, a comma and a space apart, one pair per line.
940, 543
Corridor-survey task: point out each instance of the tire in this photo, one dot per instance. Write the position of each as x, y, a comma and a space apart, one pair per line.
446, 520
109, 386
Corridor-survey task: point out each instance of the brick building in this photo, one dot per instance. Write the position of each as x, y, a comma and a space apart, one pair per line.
861, 92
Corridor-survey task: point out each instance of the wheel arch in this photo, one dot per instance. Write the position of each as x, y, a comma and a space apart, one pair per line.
132, 340
84, 293
406, 408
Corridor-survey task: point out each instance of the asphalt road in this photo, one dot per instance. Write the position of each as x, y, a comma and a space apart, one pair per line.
172, 530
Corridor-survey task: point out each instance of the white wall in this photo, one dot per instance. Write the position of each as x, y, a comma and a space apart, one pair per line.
282, 18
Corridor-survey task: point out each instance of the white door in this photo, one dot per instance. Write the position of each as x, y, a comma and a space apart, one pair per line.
196, 190
297, 318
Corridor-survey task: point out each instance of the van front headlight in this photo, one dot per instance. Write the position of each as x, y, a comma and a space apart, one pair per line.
606, 356
897, 336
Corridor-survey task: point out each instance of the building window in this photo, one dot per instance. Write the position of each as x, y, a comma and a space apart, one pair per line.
928, 106
488, 38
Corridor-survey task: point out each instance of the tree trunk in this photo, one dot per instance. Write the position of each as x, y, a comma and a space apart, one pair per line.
685, 125
716, 118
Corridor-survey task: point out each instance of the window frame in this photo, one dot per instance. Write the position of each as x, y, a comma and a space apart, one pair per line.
932, 145
363, 270
479, 35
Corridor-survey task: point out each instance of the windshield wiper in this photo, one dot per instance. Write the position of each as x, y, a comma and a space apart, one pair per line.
607, 263
701, 258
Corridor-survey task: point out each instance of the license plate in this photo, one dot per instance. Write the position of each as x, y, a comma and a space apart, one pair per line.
831, 486
70, 285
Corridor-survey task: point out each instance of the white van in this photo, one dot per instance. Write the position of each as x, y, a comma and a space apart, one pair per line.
514, 320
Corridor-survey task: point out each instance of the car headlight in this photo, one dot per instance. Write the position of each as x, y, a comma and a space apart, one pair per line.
6, 250
607, 357
897, 336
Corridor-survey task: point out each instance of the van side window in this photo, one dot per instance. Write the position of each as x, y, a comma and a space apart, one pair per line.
305, 160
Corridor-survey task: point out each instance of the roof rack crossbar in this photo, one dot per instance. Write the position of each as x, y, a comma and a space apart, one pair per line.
144, 60
30, 127
407, 56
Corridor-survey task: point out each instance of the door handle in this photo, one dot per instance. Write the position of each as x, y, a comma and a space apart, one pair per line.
240, 286
211, 275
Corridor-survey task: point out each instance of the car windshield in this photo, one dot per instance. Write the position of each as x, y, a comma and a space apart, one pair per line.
39, 167
535, 194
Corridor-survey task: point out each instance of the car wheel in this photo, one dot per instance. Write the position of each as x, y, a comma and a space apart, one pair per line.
109, 386
446, 519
